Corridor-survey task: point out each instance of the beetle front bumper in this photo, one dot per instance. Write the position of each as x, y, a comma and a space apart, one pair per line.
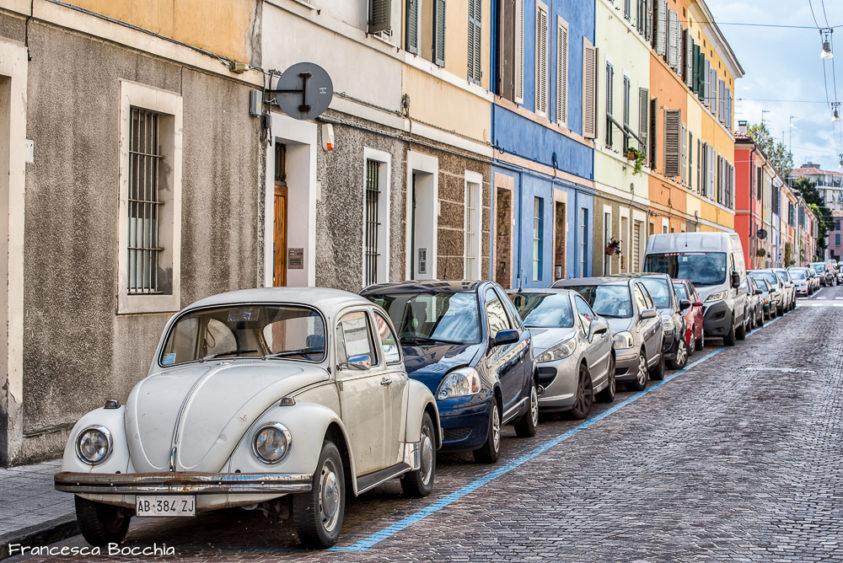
182, 483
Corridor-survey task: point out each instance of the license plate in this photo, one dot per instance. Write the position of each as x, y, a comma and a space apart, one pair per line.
167, 505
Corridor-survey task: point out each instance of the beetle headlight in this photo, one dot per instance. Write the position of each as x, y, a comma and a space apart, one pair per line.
459, 383
272, 442
558, 352
93, 444
622, 341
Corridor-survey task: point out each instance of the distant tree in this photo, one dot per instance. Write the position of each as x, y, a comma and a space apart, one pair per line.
778, 155
809, 191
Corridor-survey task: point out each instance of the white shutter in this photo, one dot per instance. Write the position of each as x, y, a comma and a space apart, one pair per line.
643, 116
589, 90
519, 51
672, 22
541, 59
661, 26
561, 72
689, 59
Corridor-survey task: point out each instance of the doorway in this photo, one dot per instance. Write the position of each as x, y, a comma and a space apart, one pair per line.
423, 225
503, 237
279, 228
559, 230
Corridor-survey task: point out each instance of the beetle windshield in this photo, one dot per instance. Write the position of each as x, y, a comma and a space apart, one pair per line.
544, 310
437, 317
276, 331
701, 268
607, 300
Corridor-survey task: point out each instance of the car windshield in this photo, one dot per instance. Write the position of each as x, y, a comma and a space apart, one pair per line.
607, 300
819, 267
681, 293
798, 274
433, 317
769, 277
274, 331
658, 291
701, 268
544, 310
782, 277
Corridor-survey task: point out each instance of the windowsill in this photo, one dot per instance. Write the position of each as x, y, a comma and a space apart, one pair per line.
146, 304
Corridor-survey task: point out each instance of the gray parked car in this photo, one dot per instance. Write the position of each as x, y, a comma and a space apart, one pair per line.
777, 289
768, 299
801, 281
789, 287
670, 310
636, 327
573, 349
754, 304
824, 271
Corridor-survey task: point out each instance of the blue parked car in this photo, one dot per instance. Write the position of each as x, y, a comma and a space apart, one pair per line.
466, 342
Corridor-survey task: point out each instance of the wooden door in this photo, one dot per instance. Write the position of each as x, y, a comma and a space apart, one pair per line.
279, 274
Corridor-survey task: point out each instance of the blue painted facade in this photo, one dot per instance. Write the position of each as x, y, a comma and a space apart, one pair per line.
545, 151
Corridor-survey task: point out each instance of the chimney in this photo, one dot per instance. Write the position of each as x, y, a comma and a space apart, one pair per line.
742, 127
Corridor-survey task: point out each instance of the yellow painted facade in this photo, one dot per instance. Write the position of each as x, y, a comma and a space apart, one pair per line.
219, 26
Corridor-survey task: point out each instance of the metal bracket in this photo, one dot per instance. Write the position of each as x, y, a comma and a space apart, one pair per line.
303, 107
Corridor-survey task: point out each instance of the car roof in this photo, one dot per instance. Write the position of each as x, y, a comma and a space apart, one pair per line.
423, 286
328, 301
535, 290
604, 280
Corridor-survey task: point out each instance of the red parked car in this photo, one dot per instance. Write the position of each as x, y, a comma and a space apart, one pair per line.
692, 313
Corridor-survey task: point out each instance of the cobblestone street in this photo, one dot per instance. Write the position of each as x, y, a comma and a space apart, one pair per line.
735, 457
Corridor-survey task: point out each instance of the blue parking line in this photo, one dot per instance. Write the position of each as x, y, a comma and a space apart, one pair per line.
372, 540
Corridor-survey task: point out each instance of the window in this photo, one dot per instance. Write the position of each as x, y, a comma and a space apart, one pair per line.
379, 14
541, 58
626, 101
150, 200
607, 237
690, 160
376, 216
354, 340
589, 90
643, 117
538, 214
583, 241
610, 98
411, 25
495, 313
627, 9
511, 53
425, 28
640, 300
391, 349
561, 72
672, 143
473, 211
584, 312
475, 48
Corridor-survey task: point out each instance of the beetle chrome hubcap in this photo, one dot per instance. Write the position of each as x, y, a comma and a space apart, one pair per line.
329, 498
426, 455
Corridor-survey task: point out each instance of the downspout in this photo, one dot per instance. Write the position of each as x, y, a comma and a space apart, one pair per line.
493, 76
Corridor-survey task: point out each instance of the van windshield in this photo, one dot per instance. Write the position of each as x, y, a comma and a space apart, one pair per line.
701, 268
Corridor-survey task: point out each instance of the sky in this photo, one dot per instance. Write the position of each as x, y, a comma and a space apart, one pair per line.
785, 64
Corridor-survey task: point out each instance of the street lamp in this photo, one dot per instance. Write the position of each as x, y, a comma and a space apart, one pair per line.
826, 35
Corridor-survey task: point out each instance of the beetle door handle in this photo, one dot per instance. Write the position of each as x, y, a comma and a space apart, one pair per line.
386, 381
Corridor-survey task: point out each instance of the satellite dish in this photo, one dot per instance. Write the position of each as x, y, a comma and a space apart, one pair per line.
304, 91
762, 234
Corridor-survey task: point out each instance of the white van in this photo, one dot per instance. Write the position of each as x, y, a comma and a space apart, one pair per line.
714, 263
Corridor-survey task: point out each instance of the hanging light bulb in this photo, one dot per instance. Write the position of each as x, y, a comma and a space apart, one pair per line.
826, 52
836, 117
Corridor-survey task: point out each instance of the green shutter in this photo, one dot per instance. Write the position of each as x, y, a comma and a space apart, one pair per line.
439, 33
379, 15
412, 26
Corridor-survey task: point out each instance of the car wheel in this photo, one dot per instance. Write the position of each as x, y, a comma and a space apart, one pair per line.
740, 333
101, 524
585, 395
526, 425
681, 357
729, 339
318, 514
419, 483
642, 375
701, 341
491, 450
692, 345
607, 395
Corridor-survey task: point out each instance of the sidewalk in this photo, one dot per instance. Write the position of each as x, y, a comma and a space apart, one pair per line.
32, 512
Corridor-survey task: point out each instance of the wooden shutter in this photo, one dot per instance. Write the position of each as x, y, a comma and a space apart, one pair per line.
654, 131
561, 72
519, 51
506, 51
589, 90
648, 20
697, 66
627, 102
541, 59
379, 15
660, 24
643, 116
671, 39
711, 178
672, 132
439, 32
682, 152
411, 39
689, 59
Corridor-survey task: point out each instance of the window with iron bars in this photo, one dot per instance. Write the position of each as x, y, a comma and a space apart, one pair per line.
145, 160
372, 222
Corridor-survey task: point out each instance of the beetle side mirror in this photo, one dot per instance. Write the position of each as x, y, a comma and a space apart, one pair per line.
736, 280
684, 304
648, 314
506, 336
360, 361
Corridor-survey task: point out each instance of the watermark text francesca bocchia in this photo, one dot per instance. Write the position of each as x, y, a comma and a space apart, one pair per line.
111, 550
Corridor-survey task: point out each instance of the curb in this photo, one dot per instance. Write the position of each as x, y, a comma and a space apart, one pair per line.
45, 533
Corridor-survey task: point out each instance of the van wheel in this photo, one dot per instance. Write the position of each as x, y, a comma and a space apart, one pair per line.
729, 339
740, 334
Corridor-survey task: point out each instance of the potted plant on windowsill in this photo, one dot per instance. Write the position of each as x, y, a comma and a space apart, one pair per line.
638, 156
613, 247
761, 253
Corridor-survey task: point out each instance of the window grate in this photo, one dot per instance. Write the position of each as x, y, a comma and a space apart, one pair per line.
144, 202
372, 223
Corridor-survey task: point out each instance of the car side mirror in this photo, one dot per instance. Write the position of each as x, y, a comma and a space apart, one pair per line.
506, 336
360, 361
648, 314
736, 280
599, 327
758, 292
698, 303
684, 304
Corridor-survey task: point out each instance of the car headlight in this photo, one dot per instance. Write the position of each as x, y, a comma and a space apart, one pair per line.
558, 352
94, 444
622, 341
667, 324
272, 442
716, 296
461, 382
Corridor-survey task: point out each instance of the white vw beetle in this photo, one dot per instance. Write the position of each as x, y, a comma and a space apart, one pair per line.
254, 395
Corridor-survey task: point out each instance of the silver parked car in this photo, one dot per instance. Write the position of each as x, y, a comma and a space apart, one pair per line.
636, 327
777, 290
801, 281
789, 287
573, 349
